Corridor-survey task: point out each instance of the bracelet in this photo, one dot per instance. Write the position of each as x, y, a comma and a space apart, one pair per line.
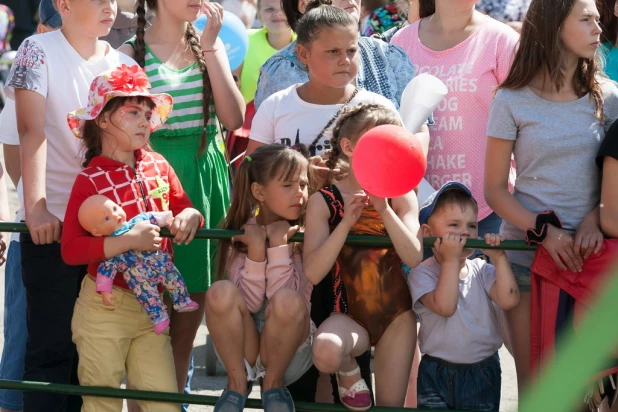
209, 51
536, 235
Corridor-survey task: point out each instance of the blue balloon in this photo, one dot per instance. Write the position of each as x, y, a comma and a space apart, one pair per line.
233, 34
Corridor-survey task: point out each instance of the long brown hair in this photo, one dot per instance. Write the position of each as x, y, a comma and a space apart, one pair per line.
609, 21
540, 48
193, 41
426, 8
268, 162
353, 122
92, 136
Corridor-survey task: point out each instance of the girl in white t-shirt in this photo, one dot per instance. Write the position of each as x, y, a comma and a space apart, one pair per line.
51, 74
304, 114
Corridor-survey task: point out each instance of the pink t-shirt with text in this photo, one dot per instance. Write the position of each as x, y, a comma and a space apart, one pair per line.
471, 70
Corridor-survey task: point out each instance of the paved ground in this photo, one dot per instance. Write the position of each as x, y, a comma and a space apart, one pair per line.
213, 385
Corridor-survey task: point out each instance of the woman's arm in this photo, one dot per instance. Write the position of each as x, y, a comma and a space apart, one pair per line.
229, 103
497, 194
609, 198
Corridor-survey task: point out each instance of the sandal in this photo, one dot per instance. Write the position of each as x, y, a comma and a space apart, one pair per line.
351, 398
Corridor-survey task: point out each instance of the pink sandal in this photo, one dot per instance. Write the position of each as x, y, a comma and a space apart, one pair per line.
351, 398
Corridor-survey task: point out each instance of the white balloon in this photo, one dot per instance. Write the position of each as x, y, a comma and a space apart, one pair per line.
419, 99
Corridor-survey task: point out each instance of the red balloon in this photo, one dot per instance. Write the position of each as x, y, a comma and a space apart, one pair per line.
388, 161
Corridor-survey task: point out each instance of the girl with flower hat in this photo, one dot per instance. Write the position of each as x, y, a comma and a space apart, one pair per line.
49, 77
195, 71
115, 128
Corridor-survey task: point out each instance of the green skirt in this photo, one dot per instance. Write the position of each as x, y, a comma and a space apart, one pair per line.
206, 182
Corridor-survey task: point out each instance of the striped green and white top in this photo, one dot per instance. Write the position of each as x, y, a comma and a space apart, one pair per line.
185, 87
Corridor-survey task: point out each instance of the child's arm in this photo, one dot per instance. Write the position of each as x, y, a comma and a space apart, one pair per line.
504, 291
80, 248
443, 300
44, 227
248, 272
401, 223
280, 269
321, 249
229, 103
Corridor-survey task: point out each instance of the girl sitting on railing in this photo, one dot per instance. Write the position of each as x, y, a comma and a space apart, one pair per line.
368, 301
259, 318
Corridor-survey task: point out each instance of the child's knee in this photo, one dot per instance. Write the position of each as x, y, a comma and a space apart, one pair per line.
327, 352
288, 306
221, 297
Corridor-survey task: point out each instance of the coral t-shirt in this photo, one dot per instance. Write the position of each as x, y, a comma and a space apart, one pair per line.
471, 70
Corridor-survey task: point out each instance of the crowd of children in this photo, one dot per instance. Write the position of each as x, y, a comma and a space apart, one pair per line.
107, 146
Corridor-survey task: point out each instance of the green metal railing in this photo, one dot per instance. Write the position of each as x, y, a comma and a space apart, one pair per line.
103, 392
356, 240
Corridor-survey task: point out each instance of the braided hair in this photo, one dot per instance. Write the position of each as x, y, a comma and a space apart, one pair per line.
193, 42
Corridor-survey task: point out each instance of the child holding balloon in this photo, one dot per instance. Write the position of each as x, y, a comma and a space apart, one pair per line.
195, 71
365, 287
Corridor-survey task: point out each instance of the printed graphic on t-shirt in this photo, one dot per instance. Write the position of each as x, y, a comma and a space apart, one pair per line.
320, 147
443, 166
25, 73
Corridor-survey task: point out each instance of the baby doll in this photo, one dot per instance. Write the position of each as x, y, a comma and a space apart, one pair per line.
143, 271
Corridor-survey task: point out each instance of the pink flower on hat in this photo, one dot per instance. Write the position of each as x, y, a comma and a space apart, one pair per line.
124, 81
129, 79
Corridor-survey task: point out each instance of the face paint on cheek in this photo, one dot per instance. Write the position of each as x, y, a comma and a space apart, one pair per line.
124, 118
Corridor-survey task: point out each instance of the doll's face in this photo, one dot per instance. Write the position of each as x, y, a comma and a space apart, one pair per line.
102, 217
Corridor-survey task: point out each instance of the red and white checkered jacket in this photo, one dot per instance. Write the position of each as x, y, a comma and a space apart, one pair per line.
136, 190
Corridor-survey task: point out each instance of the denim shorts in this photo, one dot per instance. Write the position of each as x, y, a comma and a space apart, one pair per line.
15, 330
300, 363
446, 385
522, 277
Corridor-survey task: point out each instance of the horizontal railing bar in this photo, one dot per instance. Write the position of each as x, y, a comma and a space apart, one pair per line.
353, 240
116, 393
